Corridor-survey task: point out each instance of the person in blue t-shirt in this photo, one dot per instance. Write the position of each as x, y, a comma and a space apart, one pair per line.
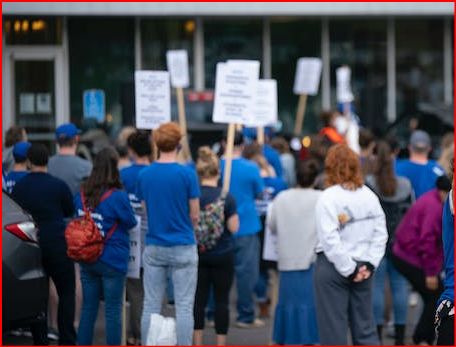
421, 171
139, 146
20, 165
110, 208
246, 185
170, 195
444, 316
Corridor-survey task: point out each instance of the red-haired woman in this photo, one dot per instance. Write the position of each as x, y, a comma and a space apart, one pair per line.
352, 238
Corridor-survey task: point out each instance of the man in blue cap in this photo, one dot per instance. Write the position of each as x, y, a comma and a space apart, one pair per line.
20, 165
71, 169
66, 165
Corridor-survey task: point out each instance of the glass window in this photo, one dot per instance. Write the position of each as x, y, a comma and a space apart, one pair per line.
233, 39
32, 30
160, 35
101, 53
361, 44
419, 63
292, 39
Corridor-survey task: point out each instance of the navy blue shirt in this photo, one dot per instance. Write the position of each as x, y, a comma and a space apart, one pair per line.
225, 243
12, 178
448, 250
49, 200
166, 189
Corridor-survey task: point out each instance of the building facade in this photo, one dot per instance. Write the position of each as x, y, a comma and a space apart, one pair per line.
401, 54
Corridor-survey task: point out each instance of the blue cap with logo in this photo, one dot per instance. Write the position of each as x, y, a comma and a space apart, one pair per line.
66, 132
20, 150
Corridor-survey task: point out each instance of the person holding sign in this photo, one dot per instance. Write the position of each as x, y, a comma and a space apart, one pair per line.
215, 266
170, 195
246, 185
139, 145
108, 274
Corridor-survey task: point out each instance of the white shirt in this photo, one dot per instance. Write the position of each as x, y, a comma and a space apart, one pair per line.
362, 238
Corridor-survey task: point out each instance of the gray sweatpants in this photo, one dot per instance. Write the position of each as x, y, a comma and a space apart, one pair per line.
340, 304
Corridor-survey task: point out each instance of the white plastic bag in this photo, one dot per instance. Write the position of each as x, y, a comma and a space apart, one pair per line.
162, 331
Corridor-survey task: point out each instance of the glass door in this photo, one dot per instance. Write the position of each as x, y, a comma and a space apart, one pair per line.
35, 99
35, 92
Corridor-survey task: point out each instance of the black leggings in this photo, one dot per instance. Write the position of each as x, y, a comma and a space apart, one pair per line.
424, 331
216, 272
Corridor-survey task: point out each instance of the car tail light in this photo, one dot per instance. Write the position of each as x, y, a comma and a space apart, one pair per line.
26, 231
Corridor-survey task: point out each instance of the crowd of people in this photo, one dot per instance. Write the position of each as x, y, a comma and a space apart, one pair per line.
348, 215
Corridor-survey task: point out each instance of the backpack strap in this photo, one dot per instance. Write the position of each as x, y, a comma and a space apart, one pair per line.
103, 197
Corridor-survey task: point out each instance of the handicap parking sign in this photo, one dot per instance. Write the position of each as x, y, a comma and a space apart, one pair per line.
94, 104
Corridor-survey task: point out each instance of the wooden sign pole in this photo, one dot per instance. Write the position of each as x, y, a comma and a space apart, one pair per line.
300, 114
260, 136
124, 318
183, 124
228, 157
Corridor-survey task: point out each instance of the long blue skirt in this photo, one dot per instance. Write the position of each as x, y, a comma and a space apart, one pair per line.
295, 321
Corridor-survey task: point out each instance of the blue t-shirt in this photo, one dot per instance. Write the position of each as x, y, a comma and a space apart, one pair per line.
273, 158
166, 189
448, 251
12, 178
422, 176
272, 187
129, 177
115, 208
245, 185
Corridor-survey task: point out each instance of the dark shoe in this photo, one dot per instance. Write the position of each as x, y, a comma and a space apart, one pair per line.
399, 334
264, 309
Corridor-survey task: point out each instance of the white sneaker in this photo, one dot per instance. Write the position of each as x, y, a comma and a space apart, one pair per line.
413, 299
257, 323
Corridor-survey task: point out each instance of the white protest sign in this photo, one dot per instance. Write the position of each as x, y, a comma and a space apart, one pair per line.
265, 110
134, 263
270, 245
235, 91
344, 93
307, 78
177, 62
152, 99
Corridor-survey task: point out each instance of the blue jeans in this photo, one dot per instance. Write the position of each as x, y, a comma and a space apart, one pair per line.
399, 291
96, 279
261, 286
183, 262
246, 267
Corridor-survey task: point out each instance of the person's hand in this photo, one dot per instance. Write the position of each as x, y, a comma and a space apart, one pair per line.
363, 274
432, 282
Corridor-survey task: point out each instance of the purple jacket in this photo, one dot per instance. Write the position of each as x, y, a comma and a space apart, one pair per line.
419, 235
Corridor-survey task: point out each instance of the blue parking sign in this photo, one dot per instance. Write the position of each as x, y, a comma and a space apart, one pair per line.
93, 101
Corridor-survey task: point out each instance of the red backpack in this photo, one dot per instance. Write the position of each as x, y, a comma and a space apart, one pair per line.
84, 240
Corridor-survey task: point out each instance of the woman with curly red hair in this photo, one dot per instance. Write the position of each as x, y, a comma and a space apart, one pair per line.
352, 237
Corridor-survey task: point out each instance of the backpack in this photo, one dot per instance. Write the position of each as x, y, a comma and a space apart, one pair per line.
211, 224
84, 240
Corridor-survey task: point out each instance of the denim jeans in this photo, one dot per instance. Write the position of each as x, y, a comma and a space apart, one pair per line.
399, 292
261, 287
96, 279
246, 267
183, 262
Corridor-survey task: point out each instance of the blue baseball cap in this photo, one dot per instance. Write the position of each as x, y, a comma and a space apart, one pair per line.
66, 132
20, 150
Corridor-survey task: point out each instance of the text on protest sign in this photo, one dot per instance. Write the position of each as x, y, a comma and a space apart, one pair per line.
344, 92
235, 91
307, 78
177, 62
152, 99
134, 262
265, 109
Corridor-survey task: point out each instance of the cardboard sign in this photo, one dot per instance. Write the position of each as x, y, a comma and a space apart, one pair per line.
134, 263
265, 110
235, 91
152, 99
344, 93
270, 245
177, 62
307, 78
